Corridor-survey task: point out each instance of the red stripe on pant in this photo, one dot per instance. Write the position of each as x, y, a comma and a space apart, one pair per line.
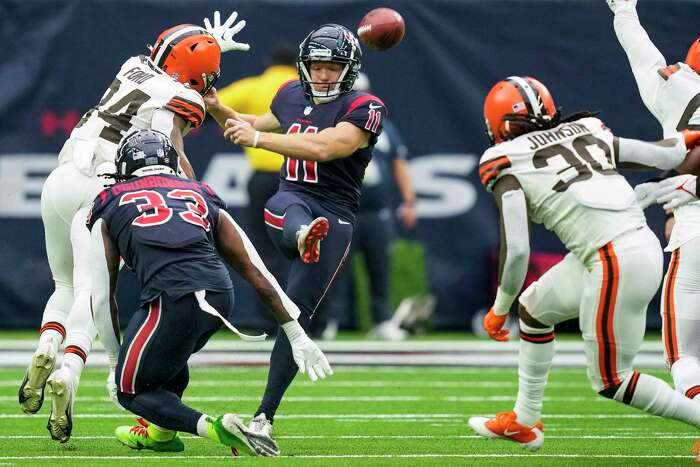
137, 346
607, 358
273, 220
631, 387
669, 322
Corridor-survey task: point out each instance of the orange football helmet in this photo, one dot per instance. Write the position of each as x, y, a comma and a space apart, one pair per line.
693, 57
515, 95
189, 54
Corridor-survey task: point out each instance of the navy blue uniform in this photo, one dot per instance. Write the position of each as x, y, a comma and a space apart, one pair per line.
163, 226
309, 190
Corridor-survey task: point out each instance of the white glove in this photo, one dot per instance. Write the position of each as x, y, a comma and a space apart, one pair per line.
615, 5
307, 355
645, 193
676, 191
223, 33
112, 388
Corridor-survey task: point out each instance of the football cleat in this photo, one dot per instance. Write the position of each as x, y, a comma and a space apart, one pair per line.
141, 437
309, 239
61, 389
261, 425
31, 391
505, 426
230, 431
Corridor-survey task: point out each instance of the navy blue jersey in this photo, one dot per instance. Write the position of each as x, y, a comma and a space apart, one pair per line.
335, 184
378, 184
163, 226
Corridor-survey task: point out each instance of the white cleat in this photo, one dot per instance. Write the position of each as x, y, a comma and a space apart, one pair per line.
261, 425
388, 331
31, 391
232, 432
61, 389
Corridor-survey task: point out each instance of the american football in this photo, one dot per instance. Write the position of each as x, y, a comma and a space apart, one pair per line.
381, 29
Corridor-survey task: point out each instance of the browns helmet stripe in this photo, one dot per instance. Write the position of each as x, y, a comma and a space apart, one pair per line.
163, 50
530, 95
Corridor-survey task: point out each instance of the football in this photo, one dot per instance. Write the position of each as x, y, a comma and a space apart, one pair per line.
381, 29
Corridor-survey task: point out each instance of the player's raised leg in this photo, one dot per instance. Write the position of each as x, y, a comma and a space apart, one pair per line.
554, 298
617, 291
680, 303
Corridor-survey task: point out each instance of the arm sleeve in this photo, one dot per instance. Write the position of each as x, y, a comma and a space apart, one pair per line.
101, 296
645, 59
515, 249
665, 154
366, 112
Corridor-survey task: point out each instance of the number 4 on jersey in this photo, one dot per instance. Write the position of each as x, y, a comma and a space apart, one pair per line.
310, 167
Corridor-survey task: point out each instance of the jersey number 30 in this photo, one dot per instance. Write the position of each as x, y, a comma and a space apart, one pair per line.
310, 167
155, 210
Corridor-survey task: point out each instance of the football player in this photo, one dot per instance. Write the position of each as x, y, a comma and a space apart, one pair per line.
326, 132
563, 173
167, 230
671, 93
162, 90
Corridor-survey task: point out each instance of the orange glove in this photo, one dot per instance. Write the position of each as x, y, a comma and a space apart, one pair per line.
493, 324
692, 138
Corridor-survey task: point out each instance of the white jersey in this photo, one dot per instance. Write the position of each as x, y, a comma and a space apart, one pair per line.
139, 91
570, 181
672, 95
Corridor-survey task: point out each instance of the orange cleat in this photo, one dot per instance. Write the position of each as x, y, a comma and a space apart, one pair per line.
493, 324
309, 239
695, 450
505, 426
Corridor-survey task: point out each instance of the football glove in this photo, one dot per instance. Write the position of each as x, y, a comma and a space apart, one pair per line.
223, 33
306, 353
112, 388
493, 324
676, 191
646, 194
617, 4
691, 138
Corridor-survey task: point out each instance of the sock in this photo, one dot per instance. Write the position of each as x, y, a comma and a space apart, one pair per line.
52, 333
686, 377
282, 371
203, 426
654, 396
296, 215
534, 361
160, 434
74, 360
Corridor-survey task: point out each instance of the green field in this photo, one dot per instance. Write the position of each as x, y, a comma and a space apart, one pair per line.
362, 416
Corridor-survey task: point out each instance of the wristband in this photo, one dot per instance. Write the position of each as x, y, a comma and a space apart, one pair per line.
256, 139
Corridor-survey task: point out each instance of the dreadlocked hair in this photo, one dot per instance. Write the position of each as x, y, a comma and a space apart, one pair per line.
522, 123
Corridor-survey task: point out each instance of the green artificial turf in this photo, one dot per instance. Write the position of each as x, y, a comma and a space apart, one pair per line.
361, 416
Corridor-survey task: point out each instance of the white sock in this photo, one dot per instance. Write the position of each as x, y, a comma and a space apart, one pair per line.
74, 364
202, 426
658, 398
534, 361
686, 376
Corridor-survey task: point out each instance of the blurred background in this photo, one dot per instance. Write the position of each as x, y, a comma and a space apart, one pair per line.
58, 57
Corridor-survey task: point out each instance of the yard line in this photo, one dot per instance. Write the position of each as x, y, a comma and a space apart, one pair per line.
369, 456
386, 416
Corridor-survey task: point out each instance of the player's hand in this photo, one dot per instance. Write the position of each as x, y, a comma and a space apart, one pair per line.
112, 388
306, 353
676, 191
211, 100
407, 213
617, 4
646, 194
493, 324
239, 132
691, 138
223, 33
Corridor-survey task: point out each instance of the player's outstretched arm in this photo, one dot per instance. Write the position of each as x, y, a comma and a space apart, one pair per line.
645, 59
340, 141
642, 155
237, 250
221, 113
514, 253
104, 271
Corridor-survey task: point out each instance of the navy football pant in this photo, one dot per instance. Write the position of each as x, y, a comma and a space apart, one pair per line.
307, 284
152, 372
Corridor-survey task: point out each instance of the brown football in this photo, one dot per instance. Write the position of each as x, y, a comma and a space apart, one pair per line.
381, 29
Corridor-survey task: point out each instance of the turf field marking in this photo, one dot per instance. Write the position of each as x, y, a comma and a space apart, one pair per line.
649, 436
368, 456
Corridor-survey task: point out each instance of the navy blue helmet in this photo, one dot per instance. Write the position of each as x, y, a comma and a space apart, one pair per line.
146, 152
330, 43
